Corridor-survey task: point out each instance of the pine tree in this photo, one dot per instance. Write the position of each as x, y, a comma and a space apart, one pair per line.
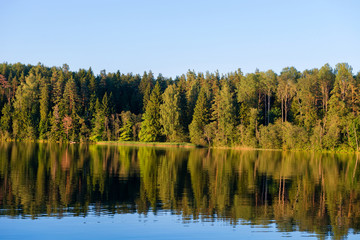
287, 89
268, 84
201, 118
151, 127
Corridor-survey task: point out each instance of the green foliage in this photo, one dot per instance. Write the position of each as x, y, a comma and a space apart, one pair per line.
271, 136
98, 123
248, 131
44, 112
5, 123
294, 137
57, 131
84, 131
307, 93
151, 126
70, 99
126, 131
146, 85
170, 113
201, 118
322, 105
224, 115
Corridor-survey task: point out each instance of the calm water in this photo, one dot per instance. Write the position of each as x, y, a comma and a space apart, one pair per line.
52, 191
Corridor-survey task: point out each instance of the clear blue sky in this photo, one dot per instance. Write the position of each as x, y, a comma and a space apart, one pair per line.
170, 37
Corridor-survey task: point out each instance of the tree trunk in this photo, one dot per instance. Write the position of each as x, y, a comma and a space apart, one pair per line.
265, 109
282, 110
268, 112
357, 145
285, 110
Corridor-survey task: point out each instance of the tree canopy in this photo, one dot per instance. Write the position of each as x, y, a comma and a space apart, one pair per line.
260, 109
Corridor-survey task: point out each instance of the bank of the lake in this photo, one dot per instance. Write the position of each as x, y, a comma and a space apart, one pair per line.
191, 145
151, 144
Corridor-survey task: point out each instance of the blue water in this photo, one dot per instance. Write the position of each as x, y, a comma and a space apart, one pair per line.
117, 192
163, 225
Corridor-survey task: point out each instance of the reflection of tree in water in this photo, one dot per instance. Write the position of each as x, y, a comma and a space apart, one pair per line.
299, 191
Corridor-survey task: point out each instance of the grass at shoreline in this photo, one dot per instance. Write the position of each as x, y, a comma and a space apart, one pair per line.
151, 144
191, 145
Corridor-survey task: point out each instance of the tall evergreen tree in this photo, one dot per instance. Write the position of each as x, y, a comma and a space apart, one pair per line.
70, 99
200, 119
44, 111
146, 85
5, 122
98, 123
107, 111
57, 130
126, 131
193, 88
170, 113
151, 126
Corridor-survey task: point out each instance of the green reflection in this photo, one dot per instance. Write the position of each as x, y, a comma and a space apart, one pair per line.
298, 191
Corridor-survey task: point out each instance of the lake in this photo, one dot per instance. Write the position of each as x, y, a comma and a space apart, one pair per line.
60, 191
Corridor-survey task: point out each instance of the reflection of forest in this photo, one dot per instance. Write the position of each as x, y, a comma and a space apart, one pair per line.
298, 191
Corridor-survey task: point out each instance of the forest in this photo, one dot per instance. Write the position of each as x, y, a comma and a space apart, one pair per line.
315, 109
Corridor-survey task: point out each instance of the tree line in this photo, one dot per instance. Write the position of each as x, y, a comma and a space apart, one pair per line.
313, 109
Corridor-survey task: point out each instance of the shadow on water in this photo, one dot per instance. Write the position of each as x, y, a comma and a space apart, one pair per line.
310, 192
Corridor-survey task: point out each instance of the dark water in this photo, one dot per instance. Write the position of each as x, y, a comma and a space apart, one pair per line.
52, 191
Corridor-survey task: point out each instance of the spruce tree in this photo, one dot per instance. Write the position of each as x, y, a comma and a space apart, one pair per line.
5, 123
57, 130
145, 87
200, 119
126, 131
170, 115
70, 99
44, 111
151, 127
98, 123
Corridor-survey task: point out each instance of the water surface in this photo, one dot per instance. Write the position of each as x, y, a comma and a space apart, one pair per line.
53, 191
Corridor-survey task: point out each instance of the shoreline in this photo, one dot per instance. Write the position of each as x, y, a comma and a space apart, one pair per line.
189, 145
150, 144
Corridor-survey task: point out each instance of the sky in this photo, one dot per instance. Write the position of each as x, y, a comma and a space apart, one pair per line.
172, 37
